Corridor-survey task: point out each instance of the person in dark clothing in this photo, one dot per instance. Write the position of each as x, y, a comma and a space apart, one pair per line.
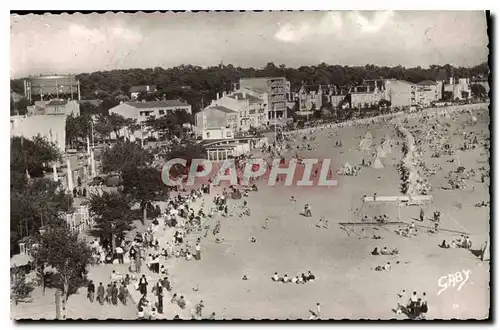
75, 192
91, 291
143, 285
166, 284
159, 294
422, 215
123, 294
100, 293
109, 293
375, 252
114, 295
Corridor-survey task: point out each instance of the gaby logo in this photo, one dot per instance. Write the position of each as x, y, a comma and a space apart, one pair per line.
306, 172
452, 280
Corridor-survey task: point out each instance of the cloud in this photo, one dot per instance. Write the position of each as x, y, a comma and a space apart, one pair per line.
379, 20
330, 23
116, 33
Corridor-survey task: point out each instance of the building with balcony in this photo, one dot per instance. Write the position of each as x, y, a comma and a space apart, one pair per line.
250, 108
274, 91
428, 91
216, 122
141, 111
366, 96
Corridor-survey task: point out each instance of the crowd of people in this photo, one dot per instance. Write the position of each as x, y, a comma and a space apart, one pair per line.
300, 278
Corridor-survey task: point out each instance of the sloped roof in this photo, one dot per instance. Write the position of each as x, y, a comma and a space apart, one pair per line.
142, 88
157, 104
220, 108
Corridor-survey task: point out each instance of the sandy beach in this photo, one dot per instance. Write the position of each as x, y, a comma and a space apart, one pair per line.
346, 284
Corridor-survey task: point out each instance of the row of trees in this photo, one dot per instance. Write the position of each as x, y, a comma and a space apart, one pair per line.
78, 128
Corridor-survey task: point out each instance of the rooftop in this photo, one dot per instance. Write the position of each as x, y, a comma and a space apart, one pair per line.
220, 108
158, 104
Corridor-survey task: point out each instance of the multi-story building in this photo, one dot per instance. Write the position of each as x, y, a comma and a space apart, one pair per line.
427, 92
136, 90
312, 98
366, 96
251, 109
141, 111
216, 122
459, 88
400, 93
274, 92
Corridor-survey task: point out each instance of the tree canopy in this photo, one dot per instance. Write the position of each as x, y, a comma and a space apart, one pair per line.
66, 252
32, 155
38, 200
124, 155
112, 214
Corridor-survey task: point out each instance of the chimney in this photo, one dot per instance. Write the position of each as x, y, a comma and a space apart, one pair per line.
147, 88
451, 80
237, 97
217, 96
244, 95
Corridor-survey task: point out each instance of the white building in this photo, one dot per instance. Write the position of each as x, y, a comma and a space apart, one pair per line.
141, 111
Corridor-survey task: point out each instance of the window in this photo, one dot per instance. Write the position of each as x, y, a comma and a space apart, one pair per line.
161, 112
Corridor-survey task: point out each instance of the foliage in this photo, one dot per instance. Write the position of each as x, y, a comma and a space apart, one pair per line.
78, 128
112, 214
170, 125
19, 107
113, 123
20, 289
384, 103
33, 204
145, 185
478, 90
124, 155
33, 155
64, 251
38, 201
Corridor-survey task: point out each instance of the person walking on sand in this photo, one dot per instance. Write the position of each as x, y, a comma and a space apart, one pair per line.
421, 215
266, 224
100, 293
91, 291
143, 285
197, 249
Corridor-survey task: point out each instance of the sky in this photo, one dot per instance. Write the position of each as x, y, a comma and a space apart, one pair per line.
48, 44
